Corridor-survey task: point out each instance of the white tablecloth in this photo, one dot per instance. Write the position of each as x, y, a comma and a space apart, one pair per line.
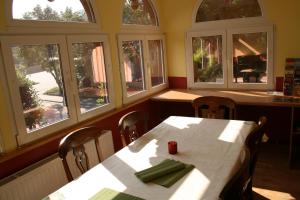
212, 145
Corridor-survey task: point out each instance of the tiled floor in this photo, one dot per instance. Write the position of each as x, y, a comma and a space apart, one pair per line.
273, 179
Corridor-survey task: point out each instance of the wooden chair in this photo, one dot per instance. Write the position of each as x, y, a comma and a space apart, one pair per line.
236, 187
128, 126
75, 141
253, 142
217, 107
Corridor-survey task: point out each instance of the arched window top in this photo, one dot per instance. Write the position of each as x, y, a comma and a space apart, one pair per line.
139, 12
214, 10
53, 10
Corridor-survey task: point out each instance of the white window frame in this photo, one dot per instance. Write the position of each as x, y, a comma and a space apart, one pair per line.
229, 26
141, 94
9, 41
163, 85
228, 22
190, 64
127, 28
270, 64
146, 67
35, 26
67, 69
5, 90
108, 69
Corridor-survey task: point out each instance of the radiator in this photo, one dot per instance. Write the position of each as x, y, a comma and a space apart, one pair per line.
46, 176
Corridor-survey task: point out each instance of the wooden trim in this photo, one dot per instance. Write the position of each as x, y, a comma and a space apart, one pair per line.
177, 82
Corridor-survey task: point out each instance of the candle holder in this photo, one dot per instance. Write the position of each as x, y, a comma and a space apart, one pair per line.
172, 147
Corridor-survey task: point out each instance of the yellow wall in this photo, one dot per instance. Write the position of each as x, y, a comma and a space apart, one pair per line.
177, 18
2, 14
285, 15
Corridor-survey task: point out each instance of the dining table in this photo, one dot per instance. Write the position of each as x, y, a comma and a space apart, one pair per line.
212, 146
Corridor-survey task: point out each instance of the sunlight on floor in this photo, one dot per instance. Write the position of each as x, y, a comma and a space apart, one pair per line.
271, 194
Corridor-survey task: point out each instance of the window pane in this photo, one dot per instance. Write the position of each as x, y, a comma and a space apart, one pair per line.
207, 59
133, 66
41, 85
139, 12
250, 58
53, 10
90, 75
212, 10
156, 62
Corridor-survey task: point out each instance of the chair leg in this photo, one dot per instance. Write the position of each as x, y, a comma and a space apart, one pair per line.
249, 190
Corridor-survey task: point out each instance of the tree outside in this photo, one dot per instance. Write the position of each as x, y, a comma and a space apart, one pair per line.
207, 59
138, 12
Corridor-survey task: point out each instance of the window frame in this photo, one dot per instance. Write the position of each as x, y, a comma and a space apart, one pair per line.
5, 90
227, 22
67, 70
270, 69
141, 94
35, 26
229, 26
190, 64
8, 41
146, 66
160, 37
108, 69
46, 32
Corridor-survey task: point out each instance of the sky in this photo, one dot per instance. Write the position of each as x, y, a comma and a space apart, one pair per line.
22, 6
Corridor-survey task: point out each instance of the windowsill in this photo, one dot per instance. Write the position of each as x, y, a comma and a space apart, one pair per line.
60, 134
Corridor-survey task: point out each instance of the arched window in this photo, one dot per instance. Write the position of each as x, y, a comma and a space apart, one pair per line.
139, 12
53, 10
55, 78
142, 55
213, 10
231, 46
67, 16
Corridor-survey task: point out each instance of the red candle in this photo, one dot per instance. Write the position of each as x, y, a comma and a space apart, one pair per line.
172, 147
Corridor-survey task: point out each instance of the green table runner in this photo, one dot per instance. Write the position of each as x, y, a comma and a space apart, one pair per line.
165, 173
109, 194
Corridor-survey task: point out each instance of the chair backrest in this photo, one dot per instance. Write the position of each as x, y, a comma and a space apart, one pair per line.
128, 126
236, 187
75, 141
216, 107
253, 141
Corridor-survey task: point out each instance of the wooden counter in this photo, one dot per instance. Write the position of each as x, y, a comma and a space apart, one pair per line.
262, 98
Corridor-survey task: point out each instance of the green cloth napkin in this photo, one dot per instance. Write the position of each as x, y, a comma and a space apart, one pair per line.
169, 179
165, 173
109, 194
165, 167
